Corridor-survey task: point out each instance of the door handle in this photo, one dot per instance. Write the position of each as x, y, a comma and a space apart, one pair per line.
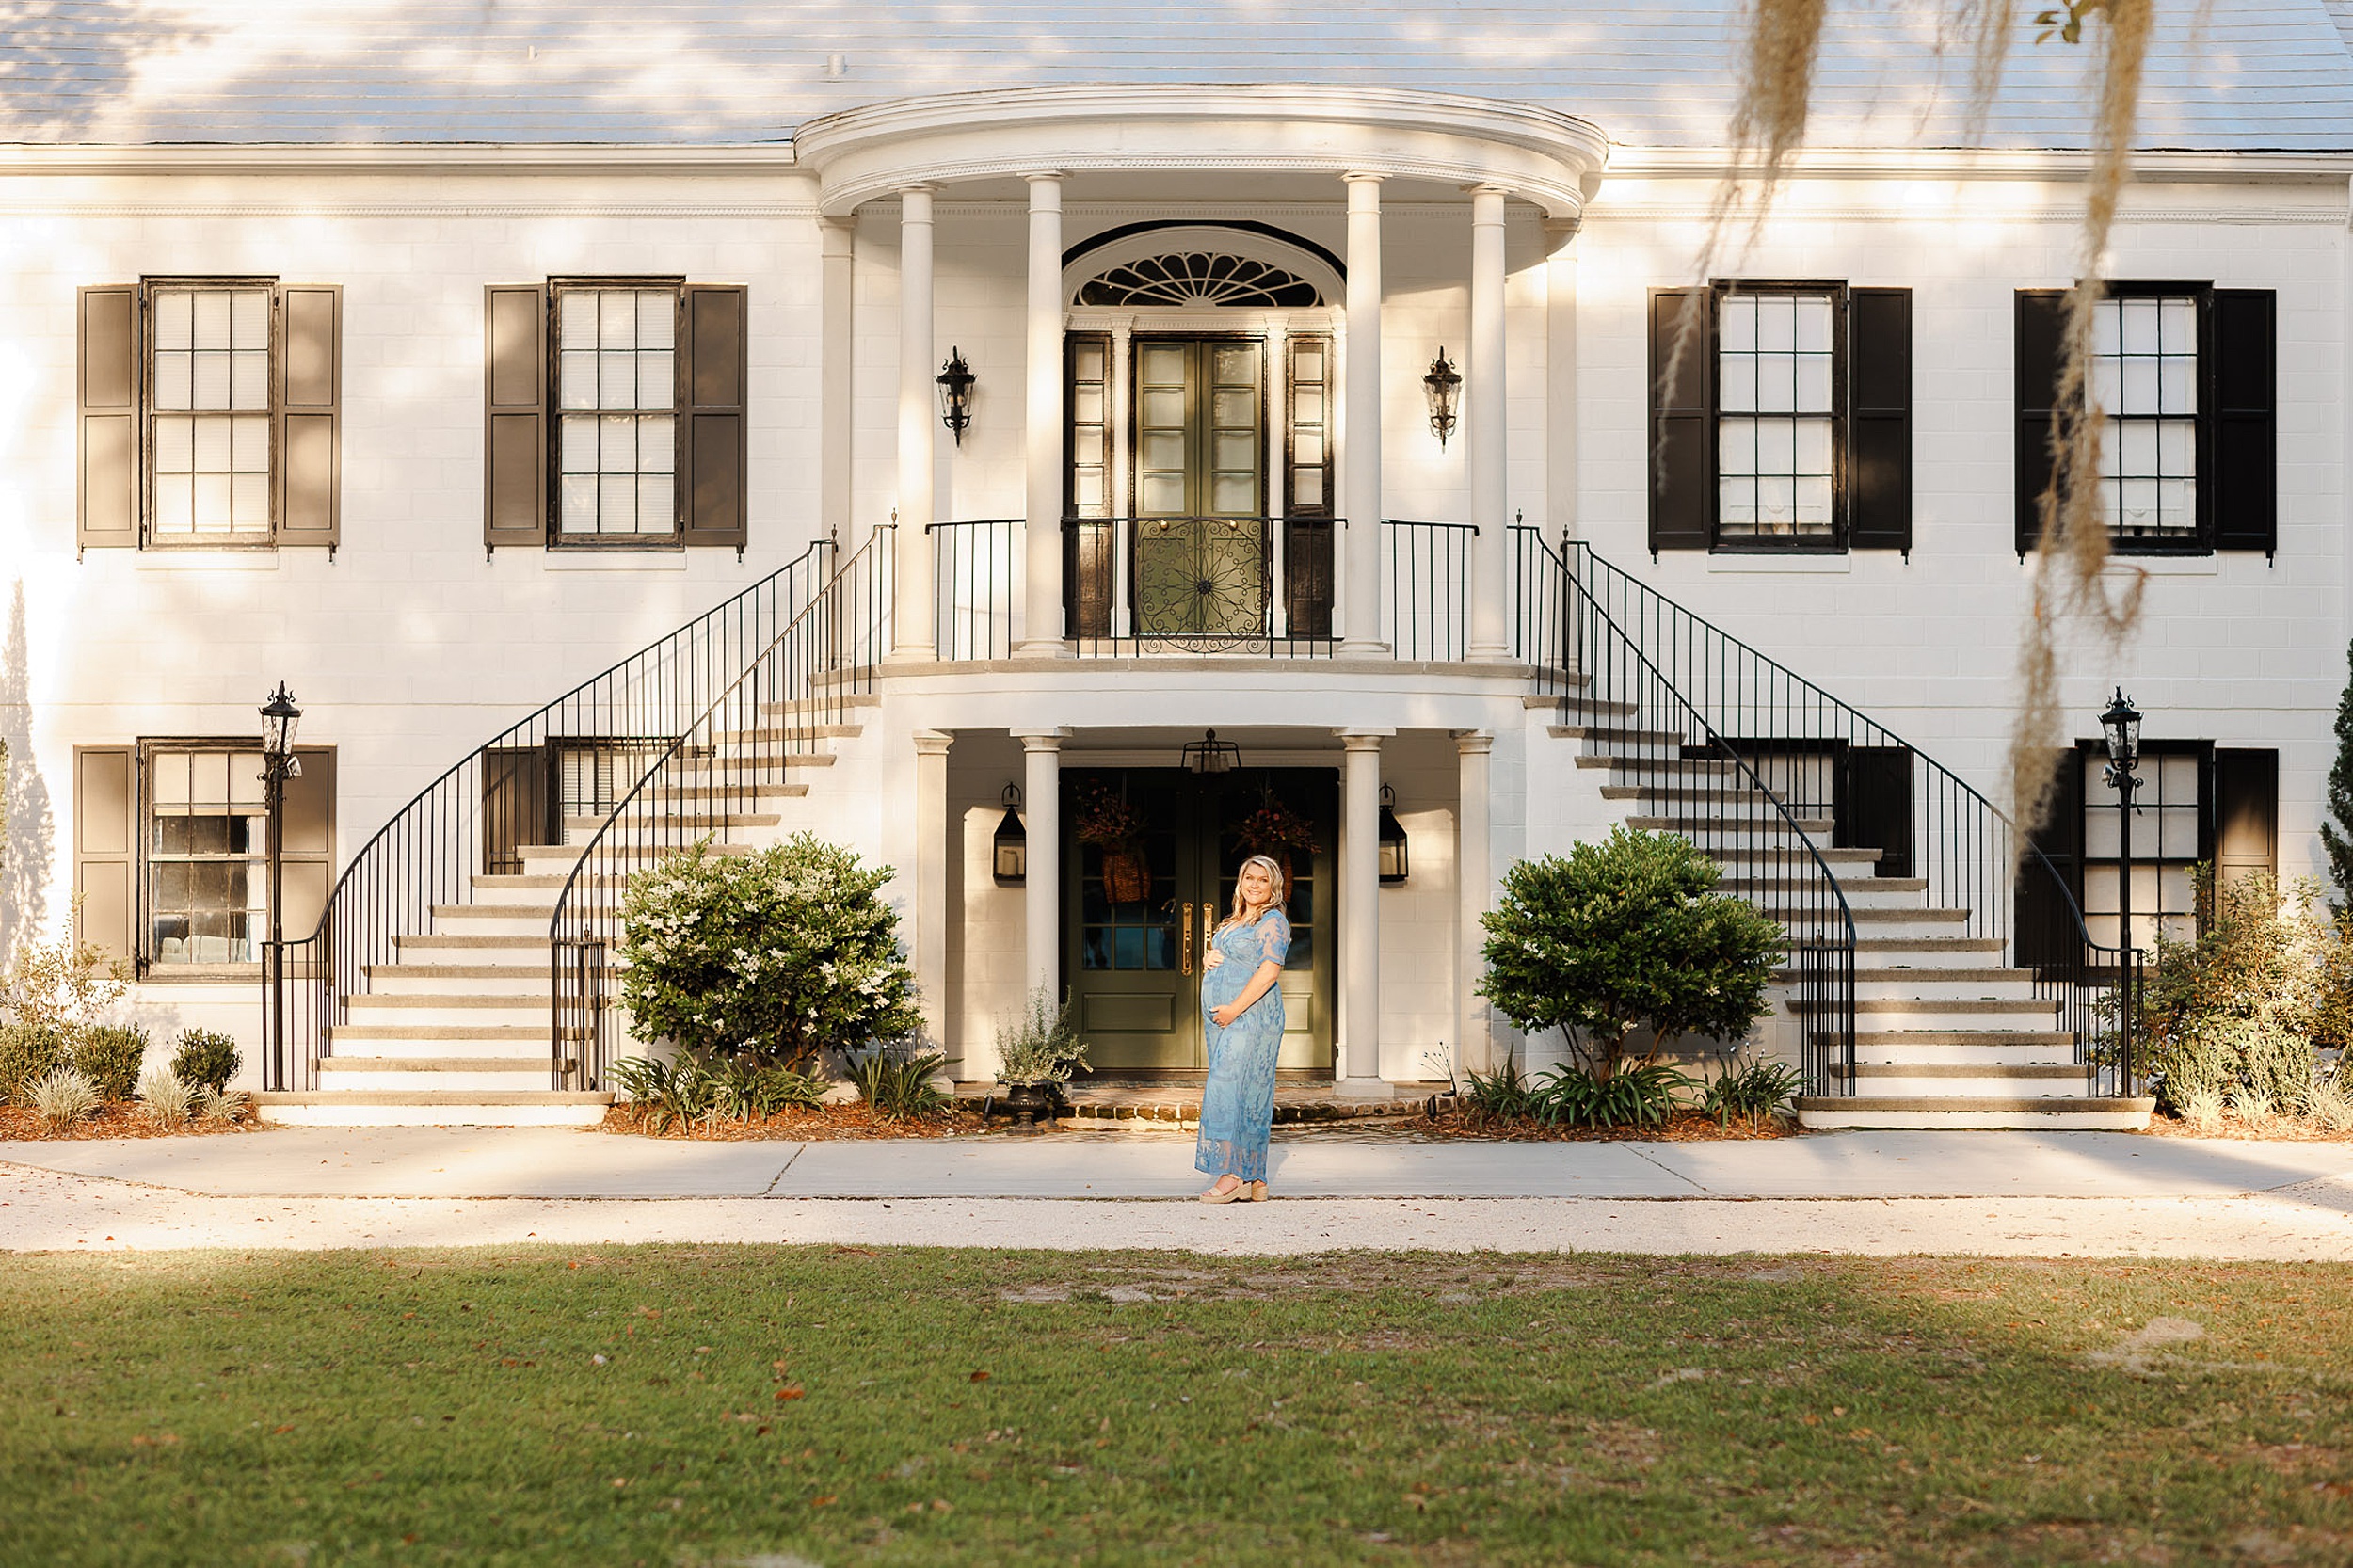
1184, 944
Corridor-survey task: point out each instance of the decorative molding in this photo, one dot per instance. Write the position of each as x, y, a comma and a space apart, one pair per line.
407, 209
1603, 212
404, 158
2148, 168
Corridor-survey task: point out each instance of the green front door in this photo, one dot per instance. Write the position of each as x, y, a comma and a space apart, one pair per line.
1201, 540
1137, 913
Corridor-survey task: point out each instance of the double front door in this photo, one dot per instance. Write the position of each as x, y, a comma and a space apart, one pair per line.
1208, 415
1148, 874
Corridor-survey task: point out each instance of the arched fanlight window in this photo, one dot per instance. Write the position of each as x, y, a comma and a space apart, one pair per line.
1199, 278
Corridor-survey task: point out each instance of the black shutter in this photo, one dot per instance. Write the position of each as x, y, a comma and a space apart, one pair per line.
1879, 349
2246, 813
1682, 444
2051, 886
1873, 809
2242, 491
713, 441
2040, 345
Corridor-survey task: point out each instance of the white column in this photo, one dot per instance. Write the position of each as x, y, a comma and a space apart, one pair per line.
1360, 470
1042, 433
1474, 1048
1277, 475
912, 609
930, 895
1041, 889
1561, 464
836, 355
1486, 413
1360, 913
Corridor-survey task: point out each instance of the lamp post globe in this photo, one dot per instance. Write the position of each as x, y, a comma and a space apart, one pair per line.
2121, 724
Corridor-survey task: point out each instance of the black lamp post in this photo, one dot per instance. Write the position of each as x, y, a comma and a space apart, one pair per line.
956, 393
1393, 865
1443, 387
1012, 846
279, 718
2122, 723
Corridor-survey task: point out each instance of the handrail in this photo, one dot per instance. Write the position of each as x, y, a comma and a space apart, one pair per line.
1831, 759
476, 816
1691, 775
699, 786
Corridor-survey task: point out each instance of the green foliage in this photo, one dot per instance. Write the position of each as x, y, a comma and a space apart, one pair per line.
897, 1082
1626, 934
1044, 1046
2235, 1014
222, 1105
1644, 1095
781, 954
62, 1097
664, 1095
27, 1051
61, 986
205, 1058
110, 1056
2337, 841
166, 1100
1502, 1097
1751, 1091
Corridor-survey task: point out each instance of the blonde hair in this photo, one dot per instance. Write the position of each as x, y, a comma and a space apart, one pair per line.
1240, 911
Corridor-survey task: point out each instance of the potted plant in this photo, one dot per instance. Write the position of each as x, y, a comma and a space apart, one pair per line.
1113, 825
1276, 830
1037, 1055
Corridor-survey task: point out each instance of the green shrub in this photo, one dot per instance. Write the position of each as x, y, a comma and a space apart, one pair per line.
897, 1082
1622, 935
165, 1099
222, 1105
1642, 1095
1043, 1046
2233, 1015
1500, 1096
62, 1097
61, 986
781, 954
664, 1095
1753, 1092
28, 1052
110, 1056
205, 1058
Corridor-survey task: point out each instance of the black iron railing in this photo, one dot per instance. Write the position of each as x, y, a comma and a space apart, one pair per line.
1428, 568
1626, 703
1198, 584
511, 793
1860, 787
728, 770
976, 577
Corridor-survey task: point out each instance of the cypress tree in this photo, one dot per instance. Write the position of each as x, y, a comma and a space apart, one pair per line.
2339, 843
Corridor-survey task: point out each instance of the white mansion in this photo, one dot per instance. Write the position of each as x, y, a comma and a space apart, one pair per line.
623, 425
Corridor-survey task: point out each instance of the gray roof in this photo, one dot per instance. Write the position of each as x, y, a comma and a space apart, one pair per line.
2247, 77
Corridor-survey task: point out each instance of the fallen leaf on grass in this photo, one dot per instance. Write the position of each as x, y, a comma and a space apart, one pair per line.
825, 1501
792, 1392
980, 1377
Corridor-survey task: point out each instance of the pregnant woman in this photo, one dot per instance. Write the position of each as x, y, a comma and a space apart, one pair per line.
1244, 1009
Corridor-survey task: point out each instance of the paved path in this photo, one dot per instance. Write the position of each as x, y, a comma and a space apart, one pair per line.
2013, 1193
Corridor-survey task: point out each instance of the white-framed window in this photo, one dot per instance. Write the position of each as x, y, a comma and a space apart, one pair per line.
210, 430
2145, 380
617, 397
1777, 416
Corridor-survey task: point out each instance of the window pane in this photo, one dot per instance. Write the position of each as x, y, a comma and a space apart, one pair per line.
175, 380
657, 319
1812, 324
1736, 330
1813, 391
212, 318
175, 445
616, 504
2139, 326
657, 386
578, 510
657, 443
617, 444
1776, 324
1736, 387
249, 379
656, 502
175, 319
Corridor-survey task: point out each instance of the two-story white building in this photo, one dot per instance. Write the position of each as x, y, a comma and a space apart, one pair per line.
623, 427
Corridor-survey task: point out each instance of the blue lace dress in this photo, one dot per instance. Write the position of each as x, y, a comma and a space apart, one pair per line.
1238, 1101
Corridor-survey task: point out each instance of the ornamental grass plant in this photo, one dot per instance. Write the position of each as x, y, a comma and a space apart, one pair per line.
164, 1101
61, 1097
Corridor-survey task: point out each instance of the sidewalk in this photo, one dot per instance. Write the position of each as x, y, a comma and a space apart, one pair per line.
2011, 1193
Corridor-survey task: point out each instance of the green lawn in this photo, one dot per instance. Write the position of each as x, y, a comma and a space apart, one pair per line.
839, 1406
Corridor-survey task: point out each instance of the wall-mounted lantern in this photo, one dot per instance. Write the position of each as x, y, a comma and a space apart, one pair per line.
1393, 864
1209, 755
956, 393
1443, 386
1012, 862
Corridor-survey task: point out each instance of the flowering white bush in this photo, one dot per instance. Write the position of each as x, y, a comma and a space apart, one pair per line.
778, 954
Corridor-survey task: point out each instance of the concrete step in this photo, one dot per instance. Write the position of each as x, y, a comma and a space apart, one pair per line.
1972, 1079
673, 824
1961, 1111
445, 948
1634, 767
1948, 1047
1982, 1015
559, 859
458, 1008
834, 706
438, 1074
1734, 792
1602, 739
1923, 952
1733, 829
523, 979
1861, 892
493, 920
1953, 982
729, 793
434, 1107
727, 739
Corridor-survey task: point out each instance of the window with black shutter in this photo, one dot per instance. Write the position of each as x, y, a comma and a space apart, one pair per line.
1781, 419
2184, 376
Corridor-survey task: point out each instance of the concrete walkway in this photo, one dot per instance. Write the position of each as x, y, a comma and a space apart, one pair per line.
2018, 1193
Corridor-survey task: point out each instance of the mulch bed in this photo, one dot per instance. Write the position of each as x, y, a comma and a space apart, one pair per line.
20, 1126
850, 1121
1684, 1126
2272, 1129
